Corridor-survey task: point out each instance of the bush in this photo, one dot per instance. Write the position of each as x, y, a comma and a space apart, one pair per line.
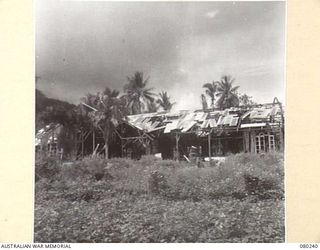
157, 182
47, 167
259, 173
241, 175
94, 169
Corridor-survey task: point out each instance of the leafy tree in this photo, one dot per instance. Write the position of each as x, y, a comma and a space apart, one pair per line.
83, 111
227, 93
50, 110
137, 93
90, 99
204, 102
211, 89
245, 100
164, 101
110, 110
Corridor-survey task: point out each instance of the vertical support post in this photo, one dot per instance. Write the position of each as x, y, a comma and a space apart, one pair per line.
148, 145
246, 141
281, 125
121, 147
253, 141
93, 140
177, 146
82, 144
281, 139
209, 145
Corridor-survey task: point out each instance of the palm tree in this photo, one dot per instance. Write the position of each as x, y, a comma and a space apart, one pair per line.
164, 101
204, 102
137, 92
89, 99
211, 89
227, 94
108, 111
152, 106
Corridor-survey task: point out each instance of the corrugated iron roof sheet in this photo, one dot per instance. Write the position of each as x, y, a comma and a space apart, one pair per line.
210, 123
253, 125
234, 121
187, 125
260, 113
185, 120
171, 126
48, 134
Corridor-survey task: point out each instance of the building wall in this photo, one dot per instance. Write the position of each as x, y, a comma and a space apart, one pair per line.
258, 141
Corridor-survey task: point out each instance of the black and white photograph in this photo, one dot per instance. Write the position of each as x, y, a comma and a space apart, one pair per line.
159, 122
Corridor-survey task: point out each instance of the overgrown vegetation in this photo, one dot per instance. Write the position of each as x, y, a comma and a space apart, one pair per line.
151, 200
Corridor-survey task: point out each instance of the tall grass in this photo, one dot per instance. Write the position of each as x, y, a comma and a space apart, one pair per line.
121, 200
239, 176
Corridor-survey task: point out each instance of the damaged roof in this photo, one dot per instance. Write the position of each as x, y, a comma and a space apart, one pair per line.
48, 134
194, 121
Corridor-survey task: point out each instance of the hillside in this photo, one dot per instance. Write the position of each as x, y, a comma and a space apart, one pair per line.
51, 110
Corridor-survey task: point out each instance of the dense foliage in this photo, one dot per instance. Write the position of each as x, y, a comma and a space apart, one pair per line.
50, 110
151, 200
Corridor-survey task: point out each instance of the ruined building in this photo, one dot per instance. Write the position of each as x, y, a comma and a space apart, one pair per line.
178, 135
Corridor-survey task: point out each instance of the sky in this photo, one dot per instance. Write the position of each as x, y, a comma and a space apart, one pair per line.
84, 46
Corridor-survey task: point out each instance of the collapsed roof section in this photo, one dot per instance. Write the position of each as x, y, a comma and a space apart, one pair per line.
48, 134
200, 122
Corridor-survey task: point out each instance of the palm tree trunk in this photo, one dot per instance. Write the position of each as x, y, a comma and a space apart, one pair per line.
106, 142
82, 144
212, 102
93, 140
106, 148
209, 145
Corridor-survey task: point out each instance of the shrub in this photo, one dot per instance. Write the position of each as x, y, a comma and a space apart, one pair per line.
157, 182
47, 167
241, 175
260, 173
94, 169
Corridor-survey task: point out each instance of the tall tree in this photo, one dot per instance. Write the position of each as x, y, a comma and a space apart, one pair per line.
88, 104
137, 93
204, 102
245, 100
227, 93
90, 99
164, 101
110, 110
152, 106
211, 89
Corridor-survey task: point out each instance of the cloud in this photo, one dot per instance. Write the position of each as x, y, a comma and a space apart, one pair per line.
211, 14
186, 101
184, 45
